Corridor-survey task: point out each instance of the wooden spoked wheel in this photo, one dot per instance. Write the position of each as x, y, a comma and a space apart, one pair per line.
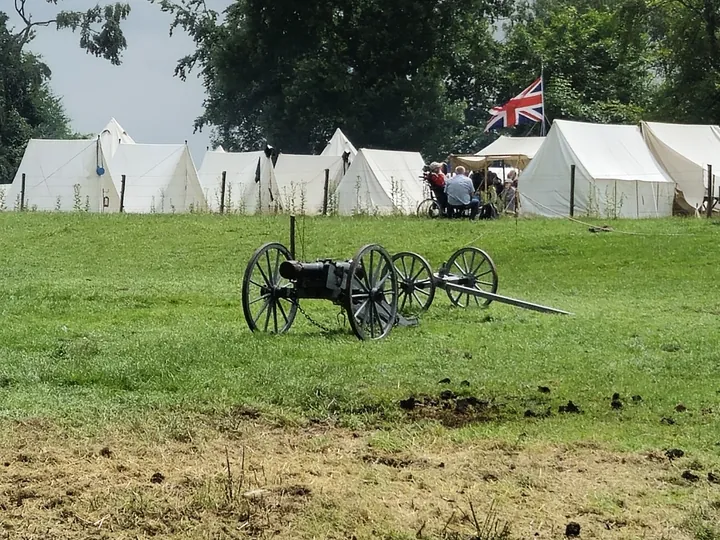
268, 299
476, 270
372, 293
416, 286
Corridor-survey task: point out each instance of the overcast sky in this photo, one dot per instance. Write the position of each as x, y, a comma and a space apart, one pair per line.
142, 94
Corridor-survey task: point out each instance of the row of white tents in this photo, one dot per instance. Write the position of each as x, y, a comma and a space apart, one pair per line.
610, 170
617, 171
113, 173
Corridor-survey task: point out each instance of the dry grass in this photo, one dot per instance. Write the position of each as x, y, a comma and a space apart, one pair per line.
323, 482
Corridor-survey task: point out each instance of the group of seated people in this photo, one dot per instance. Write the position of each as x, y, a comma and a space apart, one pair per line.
480, 193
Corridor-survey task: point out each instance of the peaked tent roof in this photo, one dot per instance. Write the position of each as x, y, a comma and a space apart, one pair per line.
685, 151
159, 178
245, 189
301, 181
112, 136
616, 175
382, 181
512, 147
63, 175
338, 145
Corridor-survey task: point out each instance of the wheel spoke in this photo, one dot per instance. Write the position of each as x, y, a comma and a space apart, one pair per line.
260, 313
275, 317
264, 276
362, 308
269, 266
276, 275
269, 311
263, 297
282, 312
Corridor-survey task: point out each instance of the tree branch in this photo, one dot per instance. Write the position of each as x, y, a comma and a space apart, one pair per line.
25, 34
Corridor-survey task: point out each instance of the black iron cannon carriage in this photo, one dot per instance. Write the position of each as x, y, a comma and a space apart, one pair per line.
377, 291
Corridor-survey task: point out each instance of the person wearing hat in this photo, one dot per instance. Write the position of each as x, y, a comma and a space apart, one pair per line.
436, 179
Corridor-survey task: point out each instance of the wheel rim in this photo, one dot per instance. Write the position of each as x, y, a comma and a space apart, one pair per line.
429, 208
477, 271
372, 293
416, 287
268, 299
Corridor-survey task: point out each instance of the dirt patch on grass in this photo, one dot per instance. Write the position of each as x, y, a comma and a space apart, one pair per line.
265, 481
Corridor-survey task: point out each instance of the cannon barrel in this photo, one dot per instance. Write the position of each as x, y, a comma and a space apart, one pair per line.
295, 269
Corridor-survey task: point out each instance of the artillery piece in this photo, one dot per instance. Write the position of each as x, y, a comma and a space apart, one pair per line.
377, 291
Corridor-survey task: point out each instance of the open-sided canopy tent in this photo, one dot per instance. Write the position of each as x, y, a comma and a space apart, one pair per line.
63, 175
381, 181
516, 152
616, 175
685, 151
250, 185
159, 178
112, 136
338, 145
301, 181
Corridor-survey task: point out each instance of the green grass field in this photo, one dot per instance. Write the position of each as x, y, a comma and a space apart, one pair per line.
105, 317
128, 320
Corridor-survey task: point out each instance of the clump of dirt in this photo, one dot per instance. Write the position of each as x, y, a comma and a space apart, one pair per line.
690, 476
543, 389
666, 421
157, 478
713, 478
388, 461
570, 408
106, 452
674, 453
452, 410
572, 530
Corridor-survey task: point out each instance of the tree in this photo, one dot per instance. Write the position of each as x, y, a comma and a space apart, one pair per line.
100, 27
598, 59
687, 35
28, 108
396, 75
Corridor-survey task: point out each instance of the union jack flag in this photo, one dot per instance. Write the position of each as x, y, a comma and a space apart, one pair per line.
525, 108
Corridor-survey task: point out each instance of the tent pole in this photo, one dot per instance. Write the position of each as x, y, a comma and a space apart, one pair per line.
325, 192
122, 194
572, 190
22, 193
711, 192
222, 192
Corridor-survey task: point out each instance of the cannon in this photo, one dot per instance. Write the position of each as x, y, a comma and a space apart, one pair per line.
377, 291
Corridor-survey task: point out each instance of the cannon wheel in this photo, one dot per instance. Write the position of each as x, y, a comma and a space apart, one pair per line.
415, 283
372, 293
478, 272
267, 298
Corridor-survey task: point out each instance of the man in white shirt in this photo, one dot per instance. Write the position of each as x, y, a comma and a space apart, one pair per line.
459, 190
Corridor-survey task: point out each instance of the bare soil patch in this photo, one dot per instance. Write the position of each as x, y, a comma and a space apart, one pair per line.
262, 481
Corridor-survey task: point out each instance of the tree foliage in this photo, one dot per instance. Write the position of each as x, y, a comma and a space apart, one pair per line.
392, 74
28, 107
99, 27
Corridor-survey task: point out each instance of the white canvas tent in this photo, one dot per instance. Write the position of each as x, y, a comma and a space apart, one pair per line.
338, 145
63, 175
383, 182
301, 181
112, 136
685, 151
159, 178
250, 185
616, 175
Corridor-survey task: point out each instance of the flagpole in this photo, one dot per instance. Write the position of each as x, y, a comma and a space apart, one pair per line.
542, 85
